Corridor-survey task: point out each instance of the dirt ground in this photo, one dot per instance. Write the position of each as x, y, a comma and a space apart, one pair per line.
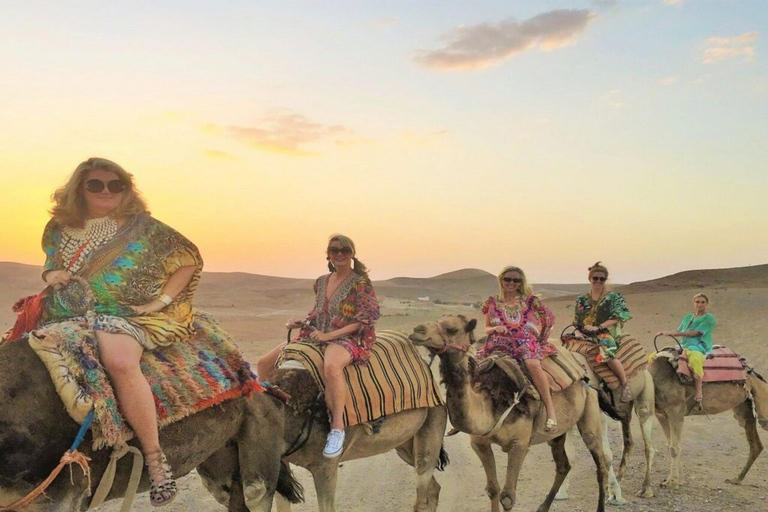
714, 448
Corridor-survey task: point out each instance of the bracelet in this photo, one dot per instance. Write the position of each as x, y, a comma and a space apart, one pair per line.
45, 273
165, 299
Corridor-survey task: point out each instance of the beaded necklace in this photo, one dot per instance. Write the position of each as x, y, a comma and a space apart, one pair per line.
77, 244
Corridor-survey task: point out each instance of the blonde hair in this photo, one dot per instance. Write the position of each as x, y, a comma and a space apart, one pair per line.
525, 287
69, 200
702, 296
598, 267
358, 266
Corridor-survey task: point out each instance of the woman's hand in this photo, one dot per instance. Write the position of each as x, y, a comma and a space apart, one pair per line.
150, 307
499, 329
663, 333
294, 324
578, 335
591, 328
58, 278
320, 336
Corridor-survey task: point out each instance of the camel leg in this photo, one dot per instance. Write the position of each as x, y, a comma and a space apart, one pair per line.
743, 413
615, 497
282, 504
644, 409
672, 423
324, 476
485, 454
590, 429
628, 442
427, 444
570, 453
515, 457
562, 467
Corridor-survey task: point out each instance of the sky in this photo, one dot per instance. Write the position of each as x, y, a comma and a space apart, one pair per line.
439, 135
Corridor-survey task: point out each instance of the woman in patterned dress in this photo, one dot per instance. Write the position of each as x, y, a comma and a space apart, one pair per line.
119, 277
342, 320
603, 309
517, 324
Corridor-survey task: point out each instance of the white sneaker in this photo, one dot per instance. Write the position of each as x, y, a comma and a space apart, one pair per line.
334, 444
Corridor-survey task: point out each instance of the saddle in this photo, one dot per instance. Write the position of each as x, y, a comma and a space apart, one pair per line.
722, 365
395, 379
631, 354
185, 378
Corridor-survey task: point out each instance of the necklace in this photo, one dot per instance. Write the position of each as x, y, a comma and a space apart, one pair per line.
77, 244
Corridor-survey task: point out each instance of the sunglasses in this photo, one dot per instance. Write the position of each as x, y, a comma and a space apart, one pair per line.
598, 279
346, 251
96, 186
515, 280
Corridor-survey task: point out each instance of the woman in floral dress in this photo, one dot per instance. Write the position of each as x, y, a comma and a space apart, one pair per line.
342, 320
517, 324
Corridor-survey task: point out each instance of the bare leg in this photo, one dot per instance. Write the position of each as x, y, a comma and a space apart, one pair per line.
542, 386
618, 369
698, 385
336, 358
265, 365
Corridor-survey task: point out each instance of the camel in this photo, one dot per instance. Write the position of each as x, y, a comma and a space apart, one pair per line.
675, 400
416, 435
479, 409
35, 431
642, 402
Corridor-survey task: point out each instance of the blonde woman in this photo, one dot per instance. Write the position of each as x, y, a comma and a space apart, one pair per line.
696, 332
517, 324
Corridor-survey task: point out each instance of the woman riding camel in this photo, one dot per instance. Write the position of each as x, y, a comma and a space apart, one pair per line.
600, 314
118, 275
517, 324
342, 321
696, 330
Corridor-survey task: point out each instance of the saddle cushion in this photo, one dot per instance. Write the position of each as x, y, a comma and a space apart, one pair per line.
561, 369
631, 354
395, 379
722, 365
185, 377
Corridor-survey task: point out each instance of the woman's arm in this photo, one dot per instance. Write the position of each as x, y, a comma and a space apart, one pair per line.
175, 284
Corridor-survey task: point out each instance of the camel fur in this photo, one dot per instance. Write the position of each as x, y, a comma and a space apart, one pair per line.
35, 431
675, 401
473, 409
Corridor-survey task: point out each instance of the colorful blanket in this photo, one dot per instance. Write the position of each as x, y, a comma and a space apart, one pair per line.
395, 379
185, 377
631, 354
723, 365
561, 369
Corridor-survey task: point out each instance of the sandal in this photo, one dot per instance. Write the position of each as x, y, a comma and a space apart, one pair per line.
163, 489
551, 426
626, 394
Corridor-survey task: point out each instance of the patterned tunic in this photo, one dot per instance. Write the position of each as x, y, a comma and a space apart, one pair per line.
122, 267
705, 324
528, 322
611, 306
354, 301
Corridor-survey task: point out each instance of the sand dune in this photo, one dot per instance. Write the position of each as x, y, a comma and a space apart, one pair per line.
254, 308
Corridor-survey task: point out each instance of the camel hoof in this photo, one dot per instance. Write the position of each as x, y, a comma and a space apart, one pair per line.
561, 495
507, 502
617, 503
670, 485
647, 493
733, 481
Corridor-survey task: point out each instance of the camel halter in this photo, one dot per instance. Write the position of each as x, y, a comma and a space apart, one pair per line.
446, 344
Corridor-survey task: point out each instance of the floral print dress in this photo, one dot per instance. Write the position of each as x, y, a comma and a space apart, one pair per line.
610, 306
354, 301
527, 322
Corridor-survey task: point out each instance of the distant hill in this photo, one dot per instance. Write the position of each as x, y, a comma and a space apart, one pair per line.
755, 276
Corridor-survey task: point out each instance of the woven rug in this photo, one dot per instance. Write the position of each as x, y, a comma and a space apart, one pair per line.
561, 369
184, 377
631, 354
395, 379
724, 365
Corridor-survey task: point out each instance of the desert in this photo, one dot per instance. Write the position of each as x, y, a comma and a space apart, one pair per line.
254, 308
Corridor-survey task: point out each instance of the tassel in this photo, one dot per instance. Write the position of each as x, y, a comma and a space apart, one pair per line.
30, 309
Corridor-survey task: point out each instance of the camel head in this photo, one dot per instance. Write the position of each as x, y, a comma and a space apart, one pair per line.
447, 333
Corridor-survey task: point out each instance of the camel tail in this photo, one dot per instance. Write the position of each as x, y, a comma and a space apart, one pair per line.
443, 460
287, 485
606, 406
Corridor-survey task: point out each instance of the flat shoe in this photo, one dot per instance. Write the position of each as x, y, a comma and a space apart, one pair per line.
551, 426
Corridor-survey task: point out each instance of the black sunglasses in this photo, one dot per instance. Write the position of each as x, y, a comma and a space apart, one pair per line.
511, 279
598, 279
96, 186
343, 250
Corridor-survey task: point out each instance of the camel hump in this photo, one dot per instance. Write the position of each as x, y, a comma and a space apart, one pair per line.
395, 379
561, 369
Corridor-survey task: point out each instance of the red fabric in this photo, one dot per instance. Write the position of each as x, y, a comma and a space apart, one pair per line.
30, 309
723, 365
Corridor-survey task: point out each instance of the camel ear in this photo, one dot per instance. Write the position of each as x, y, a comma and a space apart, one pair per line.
471, 325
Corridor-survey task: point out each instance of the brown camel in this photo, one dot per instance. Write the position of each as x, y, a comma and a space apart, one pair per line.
477, 405
35, 431
642, 402
416, 435
675, 400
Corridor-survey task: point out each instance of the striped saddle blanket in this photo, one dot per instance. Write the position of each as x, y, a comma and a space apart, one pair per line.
722, 365
395, 379
185, 377
631, 354
561, 369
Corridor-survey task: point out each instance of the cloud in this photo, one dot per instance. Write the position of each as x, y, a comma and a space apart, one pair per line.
720, 48
480, 46
285, 132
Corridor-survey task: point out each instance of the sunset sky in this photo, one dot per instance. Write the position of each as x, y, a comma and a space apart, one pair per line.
439, 134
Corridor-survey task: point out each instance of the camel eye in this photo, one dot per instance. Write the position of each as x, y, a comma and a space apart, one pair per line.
451, 330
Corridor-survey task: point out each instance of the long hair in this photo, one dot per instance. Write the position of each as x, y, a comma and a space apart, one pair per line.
357, 266
525, 287
69, 200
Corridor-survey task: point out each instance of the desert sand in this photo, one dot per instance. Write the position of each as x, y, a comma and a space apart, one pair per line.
254, 309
